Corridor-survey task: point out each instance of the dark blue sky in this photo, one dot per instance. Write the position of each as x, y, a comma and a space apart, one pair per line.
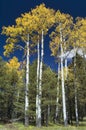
11, 9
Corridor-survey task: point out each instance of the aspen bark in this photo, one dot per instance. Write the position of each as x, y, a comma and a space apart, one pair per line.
65, 60
27, 85
62, 80
57, 99
40, 80
37, 88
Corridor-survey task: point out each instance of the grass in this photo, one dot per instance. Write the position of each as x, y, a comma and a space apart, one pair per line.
20, 126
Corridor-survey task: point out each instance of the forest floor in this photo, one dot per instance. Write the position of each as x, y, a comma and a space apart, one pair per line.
19, 126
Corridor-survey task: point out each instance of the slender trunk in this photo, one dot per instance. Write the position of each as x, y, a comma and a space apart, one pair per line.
57, 99
27, 85
63, 88
66, 72
75, 88
76, 108
37, 88
40, 81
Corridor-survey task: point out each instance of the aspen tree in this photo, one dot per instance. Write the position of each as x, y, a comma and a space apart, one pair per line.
63, 27
39, 20
46, 20
21, 32
78, 40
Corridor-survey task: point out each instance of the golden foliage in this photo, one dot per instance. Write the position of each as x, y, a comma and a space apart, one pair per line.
45, 18
78, 34
63, 24
33, 22
8, 49
13, 64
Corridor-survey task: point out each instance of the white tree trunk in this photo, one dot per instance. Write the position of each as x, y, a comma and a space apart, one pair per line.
63, 89
57, 99
66, 73
75, 88
40, 80
76, 108
37, 88
62, 79
27, 85
66, 68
